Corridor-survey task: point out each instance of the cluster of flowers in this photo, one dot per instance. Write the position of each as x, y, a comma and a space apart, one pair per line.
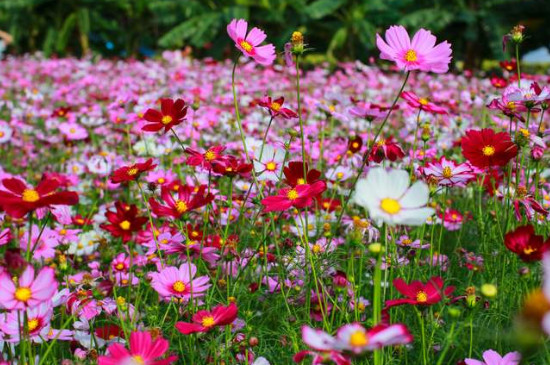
148, 197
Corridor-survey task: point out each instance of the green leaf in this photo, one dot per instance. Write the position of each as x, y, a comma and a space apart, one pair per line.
337, 41
194, 29
433, 19
321, 8
65, 32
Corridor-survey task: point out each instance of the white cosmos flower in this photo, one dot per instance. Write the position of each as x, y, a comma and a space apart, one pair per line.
388, 197
270, 163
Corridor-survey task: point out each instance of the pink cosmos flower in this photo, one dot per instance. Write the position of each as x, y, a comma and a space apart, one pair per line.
249, 44
73, 131
179, 282
357, 339
352, 338
38, 323
420, 53
29, 291
422, 103
204, 321
449, 173
491, 357
143, 350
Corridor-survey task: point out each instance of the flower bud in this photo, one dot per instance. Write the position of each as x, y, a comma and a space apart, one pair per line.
489, 290
517, 33
297, 41
537, 152
376, 248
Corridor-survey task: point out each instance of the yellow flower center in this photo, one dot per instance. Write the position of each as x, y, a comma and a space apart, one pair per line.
271, 166
316, 248
511, 105
119, 266
161, 180
524, 132
181, 206
292, 194
406, 242
488, 150
340, 175
138, 359
133, 171
23, 294
275, 106
411, 55
63, 232
72, 130
358, 338
208, 321
210, 155
300, 181
528, 250
125, 225
390, 206
421, 296
423, 101
447, 172
33, 324
30, 196
246, 46
166, 119
178, 287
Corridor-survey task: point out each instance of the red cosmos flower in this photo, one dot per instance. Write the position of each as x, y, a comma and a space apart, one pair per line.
205, 159
294, 174
188, 198
354, 145
509, 65
124, 222
275, 107
526, 244
386, 149
21, 199
78, 220
231, 166
300, 196
132, 172
171, 114
418, 293
330, 205
61, 112
499, 82
486, 148
422, 103
205, 320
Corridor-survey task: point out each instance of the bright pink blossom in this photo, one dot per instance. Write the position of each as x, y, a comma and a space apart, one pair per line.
249, 44
420, 53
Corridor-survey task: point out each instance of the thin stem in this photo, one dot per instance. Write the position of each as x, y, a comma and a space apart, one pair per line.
367, 152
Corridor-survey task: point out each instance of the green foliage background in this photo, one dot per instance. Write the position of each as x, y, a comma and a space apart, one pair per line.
339, 29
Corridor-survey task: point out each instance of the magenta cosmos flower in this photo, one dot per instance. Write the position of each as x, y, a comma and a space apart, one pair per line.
204, 321
29, 291
420, 53
173, 282
249, 44
143, 351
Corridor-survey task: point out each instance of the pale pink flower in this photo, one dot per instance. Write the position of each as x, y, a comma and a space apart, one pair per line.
491, 357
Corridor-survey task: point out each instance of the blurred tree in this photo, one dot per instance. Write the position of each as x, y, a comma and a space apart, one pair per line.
340, 29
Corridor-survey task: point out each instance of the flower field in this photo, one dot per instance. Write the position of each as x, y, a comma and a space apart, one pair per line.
259, 211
